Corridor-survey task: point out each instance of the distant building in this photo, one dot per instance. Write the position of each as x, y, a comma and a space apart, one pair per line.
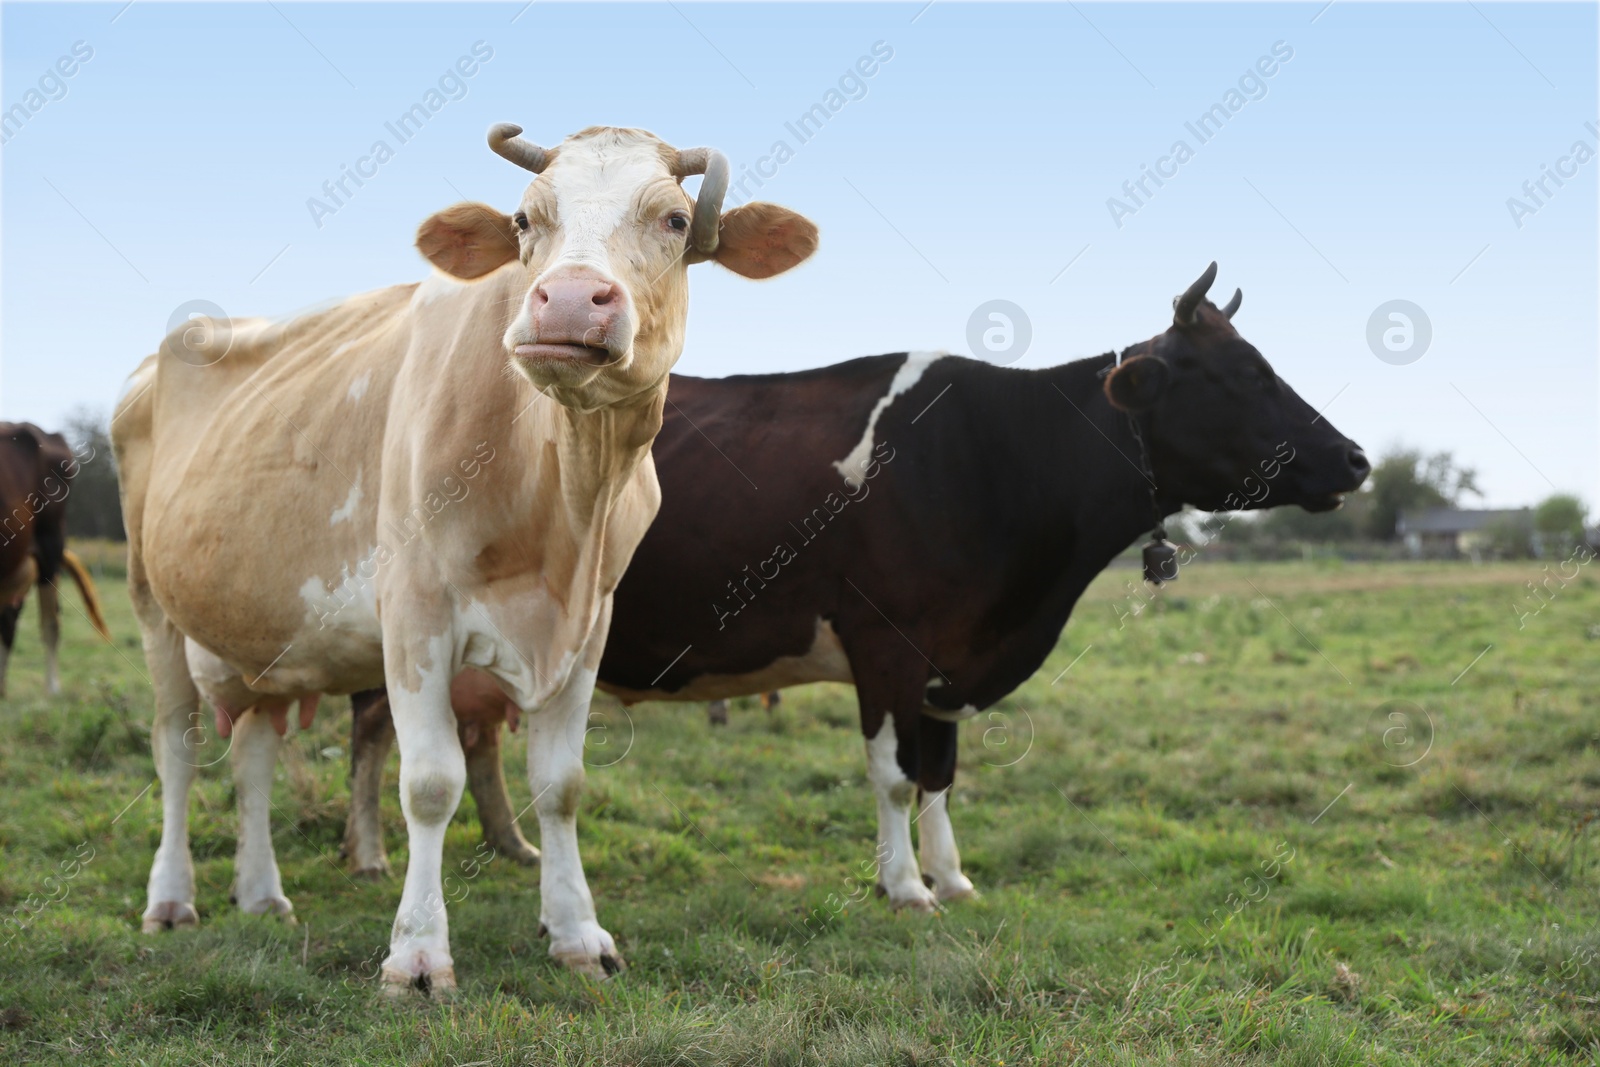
1453, 533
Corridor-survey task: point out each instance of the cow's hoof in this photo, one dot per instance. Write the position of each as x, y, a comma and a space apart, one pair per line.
913, 897
919, 905
587, 950
369, 867
437, 984
957, 888
170, 915
275, 905
600, 967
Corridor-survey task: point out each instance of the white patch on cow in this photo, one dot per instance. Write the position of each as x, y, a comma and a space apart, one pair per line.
897, 864
217, 680
349, 605
358, 388
910, 373
483, 645
346, 512
595, 181
433, 287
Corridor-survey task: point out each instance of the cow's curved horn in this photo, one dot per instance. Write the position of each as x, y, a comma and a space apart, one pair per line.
1233, 305
703, 230
1183, 310
525, 154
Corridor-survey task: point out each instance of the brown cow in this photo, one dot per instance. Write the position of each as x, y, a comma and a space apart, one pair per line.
36, 472
421, 479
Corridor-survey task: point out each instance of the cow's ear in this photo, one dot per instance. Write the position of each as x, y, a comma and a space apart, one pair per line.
1138, 383
759, 240
468, 240
24, 434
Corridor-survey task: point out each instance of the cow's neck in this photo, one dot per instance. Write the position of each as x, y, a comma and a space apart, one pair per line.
1107, 499
1093, 502
583, 479
567, 493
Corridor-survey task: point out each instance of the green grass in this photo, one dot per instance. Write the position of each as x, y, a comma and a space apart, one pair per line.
1442, 912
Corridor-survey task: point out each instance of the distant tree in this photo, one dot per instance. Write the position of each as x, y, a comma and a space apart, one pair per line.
1559, 522
93, 507
1405, 479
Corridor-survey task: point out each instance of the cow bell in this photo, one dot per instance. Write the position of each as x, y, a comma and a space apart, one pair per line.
1160, 559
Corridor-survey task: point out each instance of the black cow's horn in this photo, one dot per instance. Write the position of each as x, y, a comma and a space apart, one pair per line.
1233, 305
704, 228
525, 154
1183, 311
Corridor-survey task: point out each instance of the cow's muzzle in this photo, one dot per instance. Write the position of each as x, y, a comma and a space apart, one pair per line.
577, 316
1356, 468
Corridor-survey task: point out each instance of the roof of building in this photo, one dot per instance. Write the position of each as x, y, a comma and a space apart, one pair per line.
1458, 520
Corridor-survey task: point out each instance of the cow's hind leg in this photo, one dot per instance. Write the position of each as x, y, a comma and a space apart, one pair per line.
257, 888
371, 737
936, 771
487, 780
50, 634
176, 741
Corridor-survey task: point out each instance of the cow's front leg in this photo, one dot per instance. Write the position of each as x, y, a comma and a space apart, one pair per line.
936, 772
890, 688
257, 888
556, 773
898, 874
432, 775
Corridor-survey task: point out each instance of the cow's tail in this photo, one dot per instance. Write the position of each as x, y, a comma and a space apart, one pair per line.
91, 598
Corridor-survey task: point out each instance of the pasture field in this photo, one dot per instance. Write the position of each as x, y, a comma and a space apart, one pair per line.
1290, 813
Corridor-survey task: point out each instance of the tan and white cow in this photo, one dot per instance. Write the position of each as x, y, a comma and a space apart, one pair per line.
423, 479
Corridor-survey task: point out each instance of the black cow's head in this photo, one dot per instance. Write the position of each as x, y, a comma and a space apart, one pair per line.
1224, 431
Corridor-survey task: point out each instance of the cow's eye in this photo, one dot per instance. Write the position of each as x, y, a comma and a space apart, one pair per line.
521, 221
678, 221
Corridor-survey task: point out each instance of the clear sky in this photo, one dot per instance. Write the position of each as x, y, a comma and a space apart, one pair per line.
1375, 163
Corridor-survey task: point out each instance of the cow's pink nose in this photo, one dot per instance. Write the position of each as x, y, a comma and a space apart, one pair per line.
575, 310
